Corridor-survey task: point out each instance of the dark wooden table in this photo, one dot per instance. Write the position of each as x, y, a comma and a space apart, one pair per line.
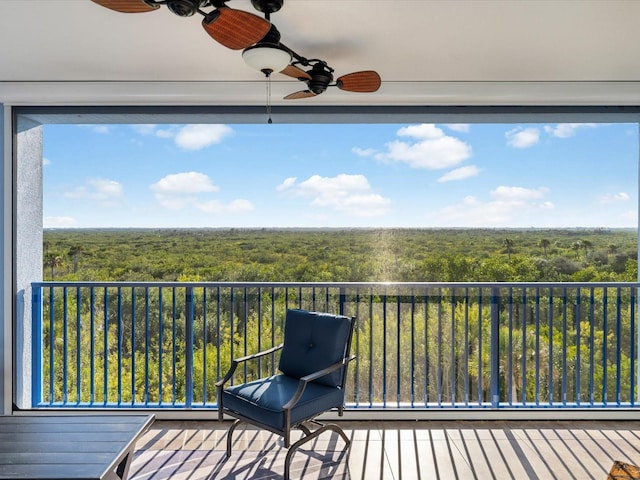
78, 447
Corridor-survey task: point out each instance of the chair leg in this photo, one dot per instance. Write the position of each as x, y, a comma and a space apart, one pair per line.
309, 435
233, 426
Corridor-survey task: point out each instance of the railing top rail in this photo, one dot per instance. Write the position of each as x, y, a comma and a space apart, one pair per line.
340, 284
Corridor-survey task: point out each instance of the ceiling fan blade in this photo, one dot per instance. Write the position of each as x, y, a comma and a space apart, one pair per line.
296, 72
235, 29
300, 94
365, 81
127, 6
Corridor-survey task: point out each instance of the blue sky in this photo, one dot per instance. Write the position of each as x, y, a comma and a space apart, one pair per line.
356, 175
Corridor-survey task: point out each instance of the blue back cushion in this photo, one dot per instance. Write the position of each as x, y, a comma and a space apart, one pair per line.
313, 341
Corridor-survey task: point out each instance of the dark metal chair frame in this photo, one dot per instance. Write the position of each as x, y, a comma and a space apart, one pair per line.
305, 425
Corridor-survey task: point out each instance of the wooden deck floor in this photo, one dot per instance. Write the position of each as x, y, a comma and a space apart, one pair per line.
394, 450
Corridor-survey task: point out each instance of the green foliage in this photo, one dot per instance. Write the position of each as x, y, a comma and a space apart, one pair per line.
340, 255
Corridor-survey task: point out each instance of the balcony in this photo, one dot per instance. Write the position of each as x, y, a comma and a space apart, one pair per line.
420, 347
465, 356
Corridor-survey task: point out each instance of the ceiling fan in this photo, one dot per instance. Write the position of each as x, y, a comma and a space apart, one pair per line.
260, 41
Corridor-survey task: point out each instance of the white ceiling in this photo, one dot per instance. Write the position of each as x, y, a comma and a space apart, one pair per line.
428, 52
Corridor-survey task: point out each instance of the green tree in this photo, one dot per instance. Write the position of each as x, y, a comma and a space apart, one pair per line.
53, 261
508, 244
75, 252
544, 243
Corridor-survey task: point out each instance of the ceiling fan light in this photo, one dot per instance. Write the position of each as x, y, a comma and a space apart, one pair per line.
267, 58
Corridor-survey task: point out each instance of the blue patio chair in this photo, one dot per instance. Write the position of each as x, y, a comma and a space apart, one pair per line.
313, 365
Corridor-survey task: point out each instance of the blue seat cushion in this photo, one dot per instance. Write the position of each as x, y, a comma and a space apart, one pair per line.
262, 400
314, 341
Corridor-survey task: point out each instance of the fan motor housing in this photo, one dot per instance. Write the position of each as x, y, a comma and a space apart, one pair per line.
320, 79
185, 8
267, 6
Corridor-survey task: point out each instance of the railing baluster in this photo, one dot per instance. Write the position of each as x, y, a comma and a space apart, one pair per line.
618, 345
452, 355
78, 346
384, 349
592, 347
174, 353
371, 322
160, 344
133, 341
564, 346
509, 382
537, 327
106, 345
427, 383
205, 341
65, 346
189, 307
119, 332
480, 349
605, 352
92, 386
37, 345
523, 354
550, 335
398, 347
413, 349
578, 346
466, 346
147, 345
495, 347
439, 376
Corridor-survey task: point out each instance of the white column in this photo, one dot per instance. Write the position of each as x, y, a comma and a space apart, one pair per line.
27, 248
6, 350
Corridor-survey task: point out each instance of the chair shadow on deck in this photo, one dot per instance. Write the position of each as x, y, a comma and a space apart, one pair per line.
257, 456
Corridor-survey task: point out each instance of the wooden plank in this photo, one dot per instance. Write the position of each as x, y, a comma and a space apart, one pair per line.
67, 447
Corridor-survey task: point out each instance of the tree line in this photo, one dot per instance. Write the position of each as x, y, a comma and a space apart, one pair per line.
341, 255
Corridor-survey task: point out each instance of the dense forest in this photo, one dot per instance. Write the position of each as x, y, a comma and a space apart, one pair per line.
132, 345
341, 255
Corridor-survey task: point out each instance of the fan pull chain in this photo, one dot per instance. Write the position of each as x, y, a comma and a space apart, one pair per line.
269, 99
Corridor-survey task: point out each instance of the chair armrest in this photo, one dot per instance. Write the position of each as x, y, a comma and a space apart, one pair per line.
313, 376
236, 361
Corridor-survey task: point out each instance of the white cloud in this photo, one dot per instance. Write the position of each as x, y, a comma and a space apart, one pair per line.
100, 189
45, 161
145, 129
196, 137
181, 189
509, 206
188, 137
458, 127
59, 222
106, 189
184, 183
363, 152
459, 174
187, 189
350, 194
431, 148
424, 131
236, 206
566, 130
615, 197
286, 184
522, 137
518, 194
